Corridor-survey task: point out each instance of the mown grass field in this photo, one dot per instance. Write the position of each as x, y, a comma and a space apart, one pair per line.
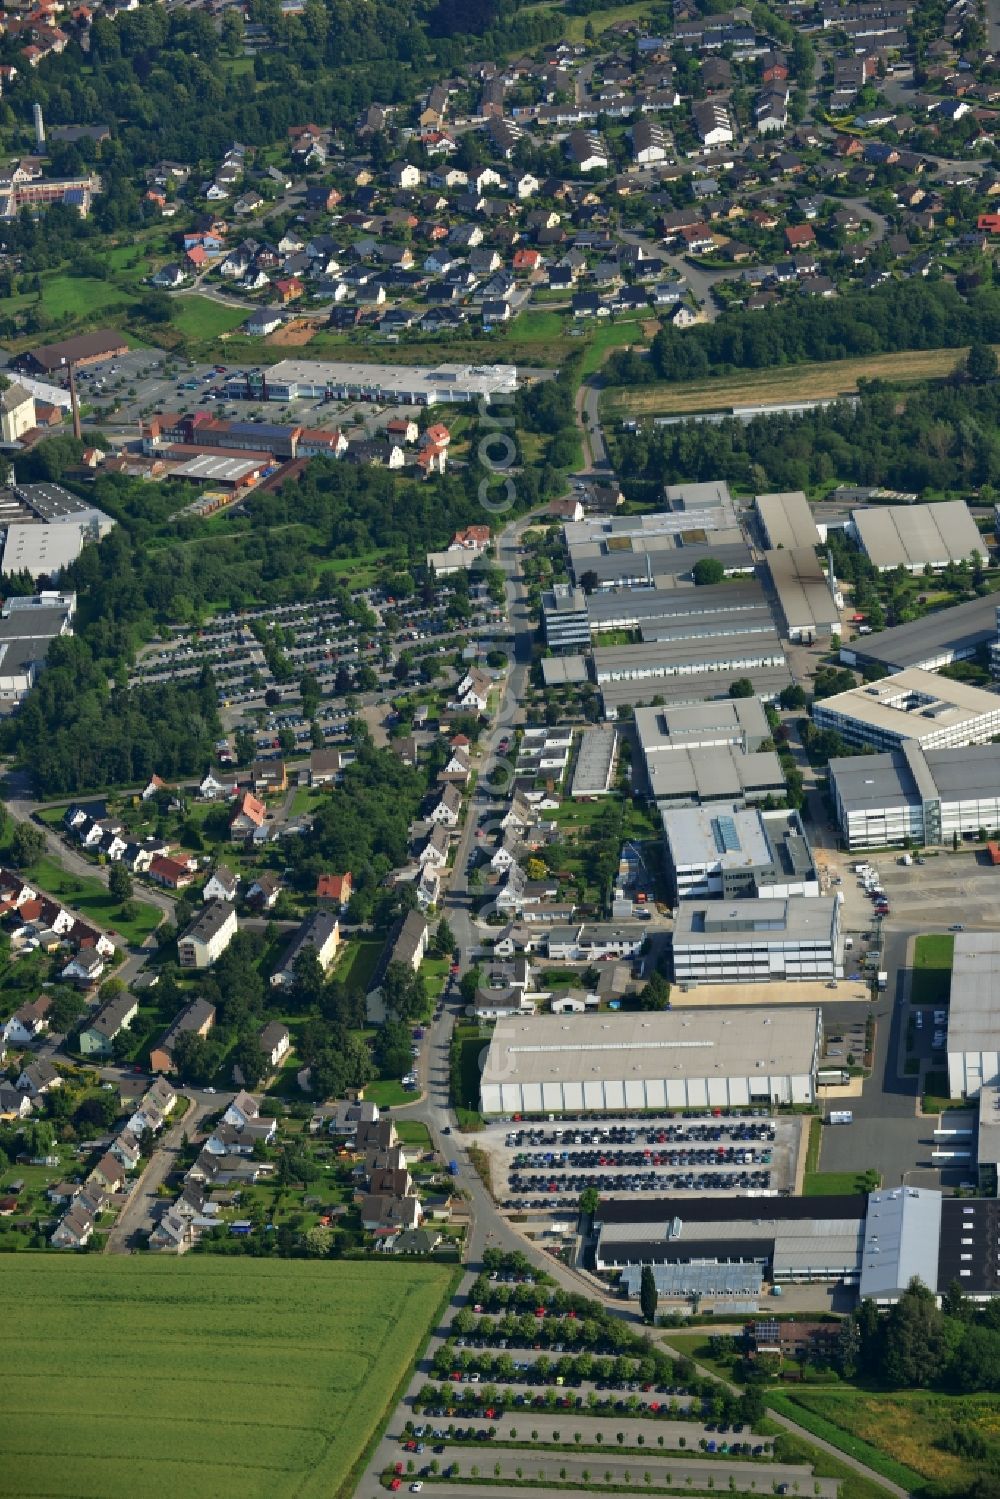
794, 382
202, 1378
930, 983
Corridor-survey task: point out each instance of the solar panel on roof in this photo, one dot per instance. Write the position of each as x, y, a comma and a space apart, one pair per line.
726, 835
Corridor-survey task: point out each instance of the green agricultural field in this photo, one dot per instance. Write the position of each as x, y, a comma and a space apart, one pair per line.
932, 960
203, 1378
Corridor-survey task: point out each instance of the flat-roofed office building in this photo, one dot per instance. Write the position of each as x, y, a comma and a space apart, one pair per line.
757, 941
737, 853
739, 721
724, 773
924, 796
651, 1060
914, 704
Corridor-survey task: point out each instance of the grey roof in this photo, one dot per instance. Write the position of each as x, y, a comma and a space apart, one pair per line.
209, 921
909, 776
935, 638
594, 760
314, 932
725, 720
633, 606
787, 520
791, 918
973, 1014
663, 657
914, 704
672, 1043
693, 687
902, 1235
558, 671
803, 591
50, 502
694, 836
918, 535
723, 772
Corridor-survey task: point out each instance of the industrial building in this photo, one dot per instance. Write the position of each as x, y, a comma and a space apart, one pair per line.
723, 773
442, 384
935, 640
913, 704
737, 853
564, 671
28, 625
912, 795
637, 608
85, 348
565, 616
807, 594
664, 658
691, 690
918, 536
757, 941
701, 507
660, 559
593, 774
787, 521
739, 721
902, 1238
46, 528
709, 624
974, 1014
780, 1239
651, 1060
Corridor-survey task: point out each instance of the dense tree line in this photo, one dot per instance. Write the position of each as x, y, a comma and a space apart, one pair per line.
901, 315
943, 437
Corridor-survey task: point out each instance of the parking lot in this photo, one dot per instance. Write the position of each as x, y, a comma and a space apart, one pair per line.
547, 1166
353, 648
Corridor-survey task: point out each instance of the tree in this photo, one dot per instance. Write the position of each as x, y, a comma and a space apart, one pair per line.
248, 1056
26, 845
589, 580
656, 994
742, 687
914, 1344
444, 939
708, 570
590, 1200
792, 697
648, 1295
119, 882
981, 364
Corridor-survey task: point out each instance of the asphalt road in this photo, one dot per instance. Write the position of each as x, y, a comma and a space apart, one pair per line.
144, 1207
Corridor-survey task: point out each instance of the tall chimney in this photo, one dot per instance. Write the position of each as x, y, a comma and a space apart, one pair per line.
75, 402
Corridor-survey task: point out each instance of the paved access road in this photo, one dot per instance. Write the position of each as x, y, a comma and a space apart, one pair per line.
143, 1208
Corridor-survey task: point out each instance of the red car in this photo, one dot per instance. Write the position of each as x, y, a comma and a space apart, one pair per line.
397, 1483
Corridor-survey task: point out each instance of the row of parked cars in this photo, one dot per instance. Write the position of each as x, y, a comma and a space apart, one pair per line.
589, 1160
646, 1181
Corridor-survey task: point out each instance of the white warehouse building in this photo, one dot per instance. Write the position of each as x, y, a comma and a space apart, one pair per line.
671, 1059
912, 704
924, 796
974, 1014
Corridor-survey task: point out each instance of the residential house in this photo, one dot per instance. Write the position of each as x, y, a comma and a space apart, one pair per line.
14, 1103
262, 895
117, 1015
406, 943
321, 932
448, 807
208, 936
39, 1078
198, 1018
249, 815
333, 891
275, 1042
169, 872
28, 1022
268, 777
243, 1110
222, 884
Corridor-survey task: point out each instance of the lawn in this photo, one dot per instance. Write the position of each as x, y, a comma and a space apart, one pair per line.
89, 895
832, 1183
80, 296
201, 320
930, 982
389, 1094
357, 963
902, 1428
800, 382
203, 1377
